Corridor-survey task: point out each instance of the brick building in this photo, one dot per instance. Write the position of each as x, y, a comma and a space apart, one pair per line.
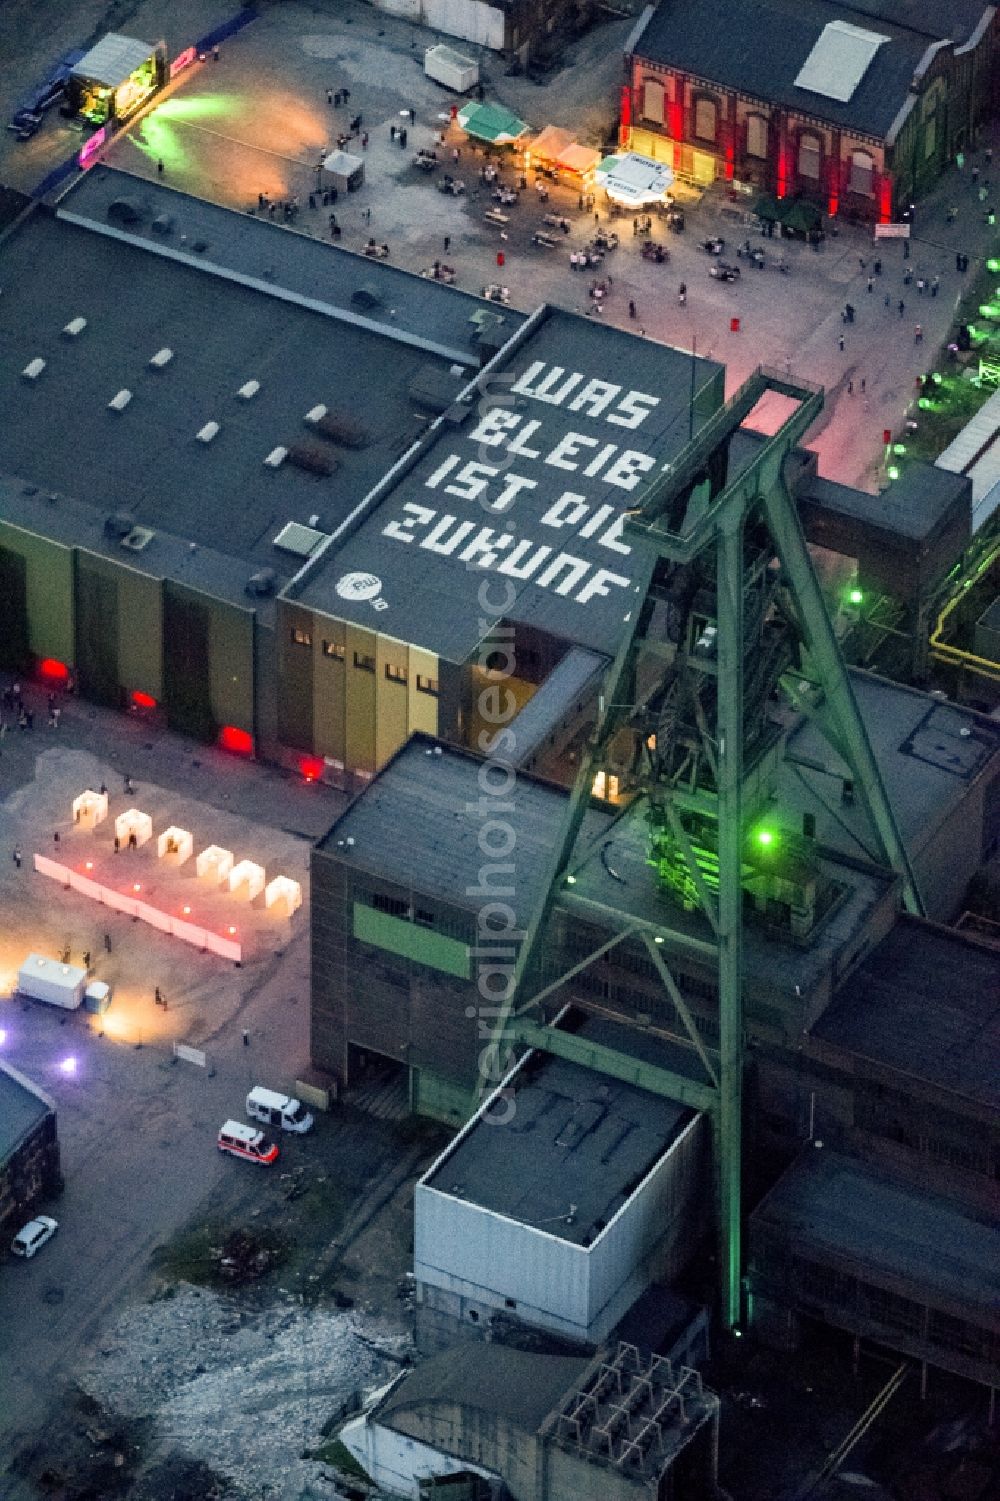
856, 107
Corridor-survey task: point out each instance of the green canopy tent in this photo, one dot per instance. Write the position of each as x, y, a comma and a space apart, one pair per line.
767, 208
802, 216
492, 123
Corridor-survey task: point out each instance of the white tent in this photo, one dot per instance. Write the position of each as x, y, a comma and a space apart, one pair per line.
283, 890
90, 809
214, 864
176, 842
343, 171
246, 880
134, 822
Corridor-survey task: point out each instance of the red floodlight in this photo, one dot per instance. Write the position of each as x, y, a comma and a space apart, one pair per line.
311, 767
53, 671
143, 700
233, 739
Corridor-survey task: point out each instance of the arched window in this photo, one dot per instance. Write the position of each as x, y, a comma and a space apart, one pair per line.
810, 157
862, 174
756, 136
652, 100
706, 118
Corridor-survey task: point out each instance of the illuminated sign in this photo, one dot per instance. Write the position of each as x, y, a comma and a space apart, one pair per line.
508, 434
92, 146
183, 60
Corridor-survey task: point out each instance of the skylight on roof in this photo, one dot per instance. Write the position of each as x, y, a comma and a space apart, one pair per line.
839, 60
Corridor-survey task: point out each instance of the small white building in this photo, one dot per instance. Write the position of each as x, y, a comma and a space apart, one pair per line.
557, 1205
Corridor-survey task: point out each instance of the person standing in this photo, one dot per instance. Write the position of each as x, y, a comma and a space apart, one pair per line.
902, 307
918, 334
17, 856
447, 243
631, 309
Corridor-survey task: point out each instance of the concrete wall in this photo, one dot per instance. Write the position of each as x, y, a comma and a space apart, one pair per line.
395, 1461
46, 572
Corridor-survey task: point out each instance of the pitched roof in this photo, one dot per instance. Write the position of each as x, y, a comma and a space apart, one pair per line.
762, 50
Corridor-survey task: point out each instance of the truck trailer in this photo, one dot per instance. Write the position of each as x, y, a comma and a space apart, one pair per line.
453, 69
57, 984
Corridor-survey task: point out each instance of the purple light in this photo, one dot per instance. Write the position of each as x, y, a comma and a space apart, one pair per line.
3, 1037
93, 145
68, 1066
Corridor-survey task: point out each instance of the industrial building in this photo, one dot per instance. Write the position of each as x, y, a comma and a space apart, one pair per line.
29, 1150
591, 1190
484, 1422
855, 108
326, 603
720, 936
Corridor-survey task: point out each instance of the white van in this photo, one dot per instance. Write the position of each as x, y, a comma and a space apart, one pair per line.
244, 1141
277, 1110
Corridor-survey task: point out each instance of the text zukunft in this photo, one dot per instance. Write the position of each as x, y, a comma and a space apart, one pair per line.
495, 487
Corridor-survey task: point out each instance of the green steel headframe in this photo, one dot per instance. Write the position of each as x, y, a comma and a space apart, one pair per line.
690, 515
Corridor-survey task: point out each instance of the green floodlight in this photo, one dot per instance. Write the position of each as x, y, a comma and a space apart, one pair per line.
899, 448
937, 377
893, 471
925, 404
765, 838
855, 597
993, 264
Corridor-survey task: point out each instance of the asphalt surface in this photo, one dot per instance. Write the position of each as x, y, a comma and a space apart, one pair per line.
138, 1130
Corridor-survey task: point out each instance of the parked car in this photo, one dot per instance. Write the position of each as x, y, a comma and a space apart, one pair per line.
34, 1235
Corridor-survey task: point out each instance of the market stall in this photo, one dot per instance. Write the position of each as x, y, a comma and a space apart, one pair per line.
133, 828
90, 809
115, 78
283, 893
343, 171
177, 843
491, 123
635, 181
246, 880
214, 864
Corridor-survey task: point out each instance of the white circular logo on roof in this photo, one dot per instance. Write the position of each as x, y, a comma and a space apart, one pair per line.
359, 586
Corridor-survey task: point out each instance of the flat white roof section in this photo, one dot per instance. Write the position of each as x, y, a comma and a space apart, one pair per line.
839, 60
113, 59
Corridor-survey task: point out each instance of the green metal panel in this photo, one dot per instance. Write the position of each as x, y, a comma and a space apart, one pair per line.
616, 1065
422, 945
441, 1099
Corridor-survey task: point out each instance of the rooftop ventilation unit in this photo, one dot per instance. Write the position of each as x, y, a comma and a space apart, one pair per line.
120, 402
315, 414
342, 429
163, 224
262, 583
160, 358
298, 539
207, 433
119, 525
250, 389
367, 297
312, 459
138, 538
34, 369
276, 458
74, 327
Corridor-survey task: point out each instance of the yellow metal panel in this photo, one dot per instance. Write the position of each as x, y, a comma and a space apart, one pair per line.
391, 698
329, 688
360, 701
422, 707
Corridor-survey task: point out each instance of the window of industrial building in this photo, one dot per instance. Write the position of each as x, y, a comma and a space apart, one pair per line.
890, 1308
810, 155
424, 918
426, 685
396, 674
335, 649
862, 178
756, 136
510, 1302
301, 637
706, 118
652, 100
393, 906
363, 662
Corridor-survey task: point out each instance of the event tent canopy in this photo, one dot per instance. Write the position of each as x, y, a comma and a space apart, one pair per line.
558, 146
491, 122
634, 180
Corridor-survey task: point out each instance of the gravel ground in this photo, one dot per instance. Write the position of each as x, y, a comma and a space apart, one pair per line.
244, 1391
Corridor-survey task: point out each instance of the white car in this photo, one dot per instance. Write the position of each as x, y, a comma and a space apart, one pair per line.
34, 1235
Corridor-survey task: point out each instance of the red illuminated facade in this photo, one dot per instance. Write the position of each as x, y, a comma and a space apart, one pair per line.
712, 128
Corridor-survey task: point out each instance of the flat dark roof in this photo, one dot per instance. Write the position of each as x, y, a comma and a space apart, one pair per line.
530, 524
928, 751
418, 823
146, 460
827, 1202
520, 1385
913, 506
577, 1138
22, 1106
760, 49
926, 1001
